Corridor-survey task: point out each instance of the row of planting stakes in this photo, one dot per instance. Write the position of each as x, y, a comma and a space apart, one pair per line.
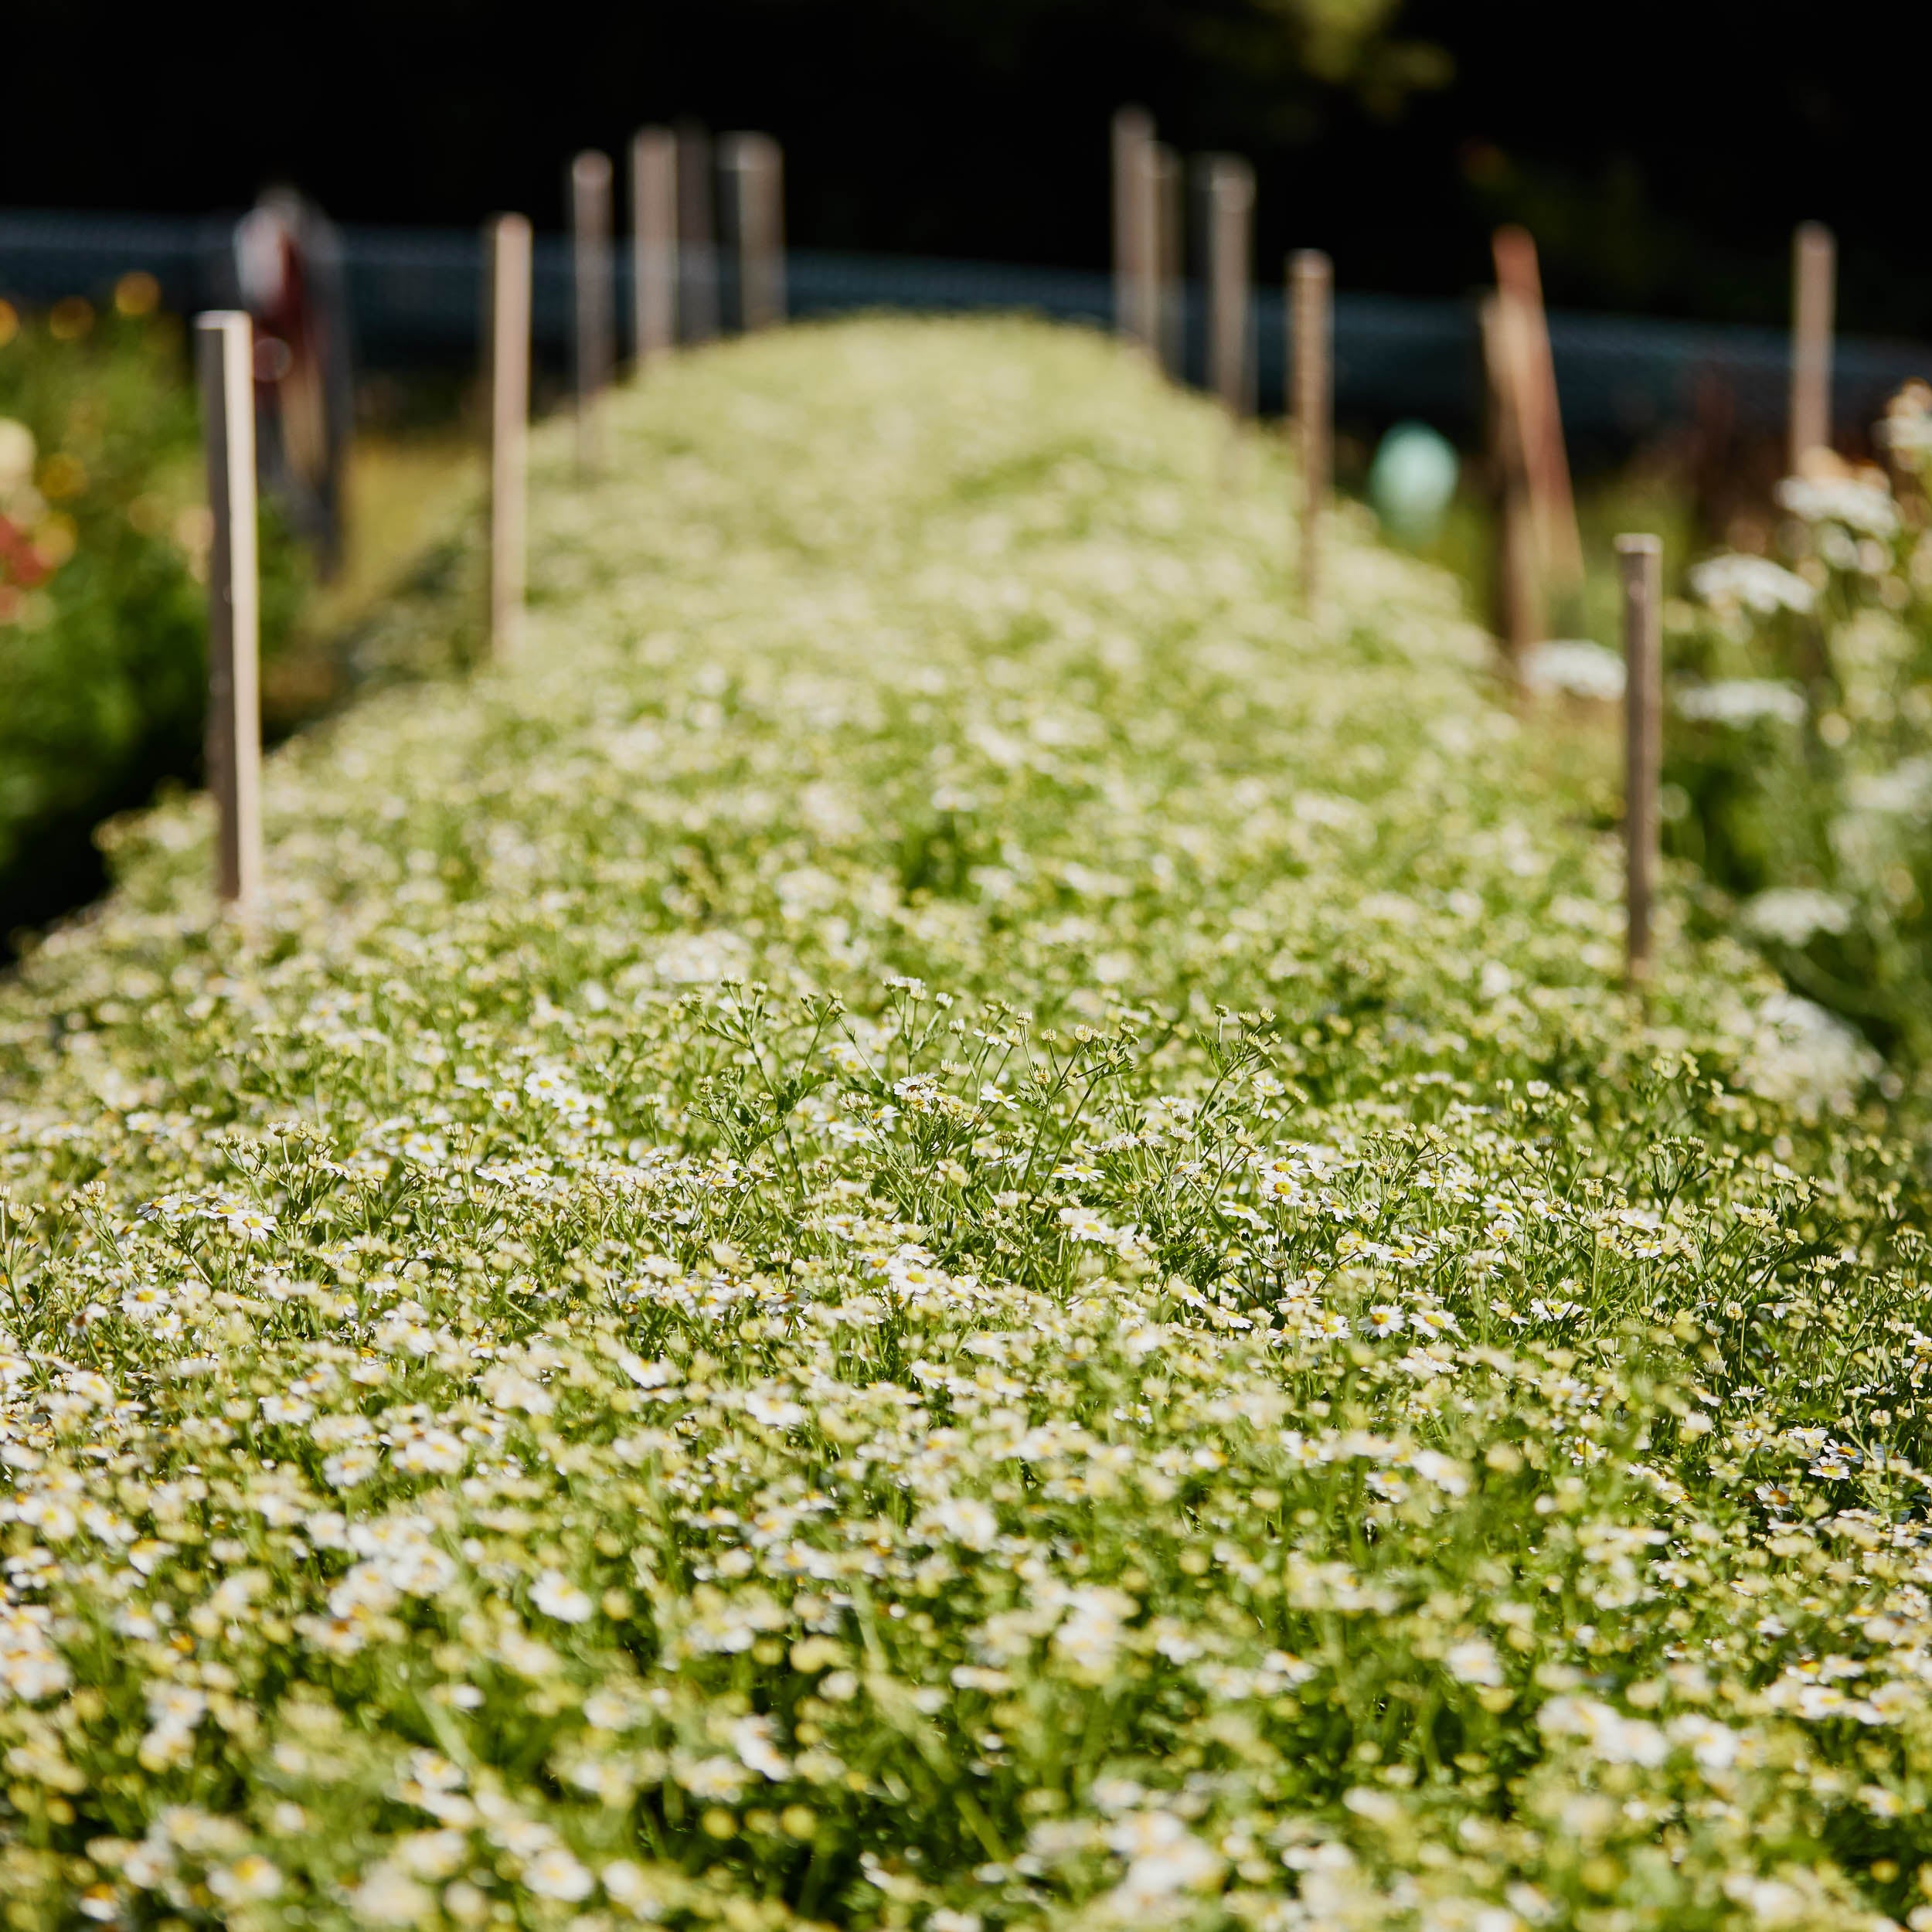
1641, 571
1526, 424
755, 165
224, 362
1149, 309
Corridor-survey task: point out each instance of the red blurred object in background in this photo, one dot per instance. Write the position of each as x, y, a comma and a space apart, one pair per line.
288, 270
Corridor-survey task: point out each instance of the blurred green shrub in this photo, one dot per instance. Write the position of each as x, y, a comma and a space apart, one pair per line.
103, 617
1800, 749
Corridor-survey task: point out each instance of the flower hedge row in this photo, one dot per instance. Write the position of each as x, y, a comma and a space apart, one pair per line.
940, 1225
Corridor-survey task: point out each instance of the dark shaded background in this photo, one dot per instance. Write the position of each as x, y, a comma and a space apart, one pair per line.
1661, 152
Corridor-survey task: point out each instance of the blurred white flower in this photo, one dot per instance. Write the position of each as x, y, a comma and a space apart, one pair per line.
1474, 1661
1793, 914
1577, 667
1863, 507
1738, 701
555, 1595
1738, 581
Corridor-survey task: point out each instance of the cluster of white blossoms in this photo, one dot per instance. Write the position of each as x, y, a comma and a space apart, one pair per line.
942, 1226
1801, 777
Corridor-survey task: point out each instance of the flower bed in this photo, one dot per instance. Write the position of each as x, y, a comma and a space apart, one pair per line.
939, 1227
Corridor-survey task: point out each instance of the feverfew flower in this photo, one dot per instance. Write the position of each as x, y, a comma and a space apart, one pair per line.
1737, 581
556, 1596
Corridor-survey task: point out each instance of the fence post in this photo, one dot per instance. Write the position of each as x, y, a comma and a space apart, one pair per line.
225, 365
509, 381
755, 165
1531, 371
1639, 566
1230, 223
654, 243
1133, 144
1814, 272
1169, 192
590, 281
1311, 280
1519, 614
697, 239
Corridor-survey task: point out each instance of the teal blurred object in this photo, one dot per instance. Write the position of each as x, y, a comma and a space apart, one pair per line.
1411, 481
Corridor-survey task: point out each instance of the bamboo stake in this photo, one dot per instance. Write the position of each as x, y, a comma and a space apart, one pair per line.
756, 165
1170, 310
1310, 288
1814, 273
1640, 566
591, 280
1230, 221
653, 243
1519, 616
1526, 341
509, 380
1133, 268
225, 364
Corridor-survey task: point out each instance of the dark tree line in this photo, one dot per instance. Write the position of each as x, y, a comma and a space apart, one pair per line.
1661, 152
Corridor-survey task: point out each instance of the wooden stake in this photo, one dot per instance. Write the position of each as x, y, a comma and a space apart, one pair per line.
1519, 617
1814, 273
1170, 310
1133, 225
1230, 223
1532, 372
225, 364
756, 165
653, 243
509, 381
1640, 565
591, 280
1310, 288
697, 238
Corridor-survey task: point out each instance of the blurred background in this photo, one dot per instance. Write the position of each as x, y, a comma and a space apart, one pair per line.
1660, 152
937, 154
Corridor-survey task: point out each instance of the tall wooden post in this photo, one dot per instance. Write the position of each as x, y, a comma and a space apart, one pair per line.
509, 381
697, 238
1640, 566
1133, 225
591, 280
1311, 305
755, 164
1169, 192
1230, 226
1531, 371
653, 243
225, 365
1814, 273
1519, 615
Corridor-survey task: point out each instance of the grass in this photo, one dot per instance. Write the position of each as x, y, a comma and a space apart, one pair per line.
941, 1225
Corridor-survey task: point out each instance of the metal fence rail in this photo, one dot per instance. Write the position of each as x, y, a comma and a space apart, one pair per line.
416, 297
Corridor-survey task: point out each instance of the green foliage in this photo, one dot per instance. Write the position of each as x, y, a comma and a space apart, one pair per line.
103, 626
1802, 744
941, 1225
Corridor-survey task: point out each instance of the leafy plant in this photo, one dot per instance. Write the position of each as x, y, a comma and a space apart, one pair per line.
102, 623
1801, 744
